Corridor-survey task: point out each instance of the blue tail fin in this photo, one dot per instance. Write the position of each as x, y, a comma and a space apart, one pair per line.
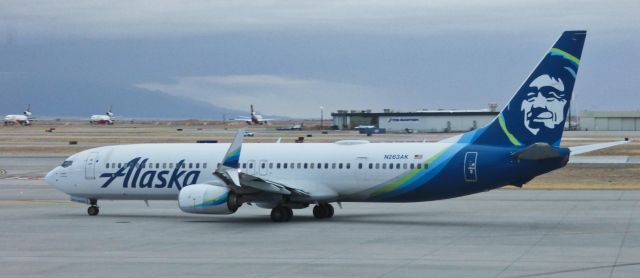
538, 111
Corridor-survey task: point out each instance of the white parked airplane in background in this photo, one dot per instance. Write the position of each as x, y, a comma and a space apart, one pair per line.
254, 119
24, 119
522, 142
106, 119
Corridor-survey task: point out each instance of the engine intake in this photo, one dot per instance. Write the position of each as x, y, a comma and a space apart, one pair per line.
207, 199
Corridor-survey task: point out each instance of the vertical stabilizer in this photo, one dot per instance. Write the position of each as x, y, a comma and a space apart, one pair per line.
539, 109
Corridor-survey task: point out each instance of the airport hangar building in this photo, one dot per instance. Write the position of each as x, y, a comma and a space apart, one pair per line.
419, 121
610, 120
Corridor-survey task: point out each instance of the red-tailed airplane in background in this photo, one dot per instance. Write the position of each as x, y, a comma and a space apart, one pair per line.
106, 119
255, 119
24, 119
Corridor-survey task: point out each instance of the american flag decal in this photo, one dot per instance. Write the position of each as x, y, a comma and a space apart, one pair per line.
417, 156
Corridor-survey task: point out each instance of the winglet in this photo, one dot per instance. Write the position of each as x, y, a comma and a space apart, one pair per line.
229, 169
232, 158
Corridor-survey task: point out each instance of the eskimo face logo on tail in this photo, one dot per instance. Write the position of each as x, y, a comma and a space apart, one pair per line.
135, 177
544, 104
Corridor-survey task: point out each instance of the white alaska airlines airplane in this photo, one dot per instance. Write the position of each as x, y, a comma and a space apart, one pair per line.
24, 119
106, 119
520, 144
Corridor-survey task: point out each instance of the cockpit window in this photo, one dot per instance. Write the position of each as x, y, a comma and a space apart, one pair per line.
67, 163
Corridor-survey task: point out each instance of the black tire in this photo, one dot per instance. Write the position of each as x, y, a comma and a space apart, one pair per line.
93, 210
278, 214
320, 211
289, 213
329, 209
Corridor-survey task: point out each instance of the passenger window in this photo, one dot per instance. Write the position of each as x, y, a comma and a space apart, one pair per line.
107, 165
339, 165
333, 165
398, 166
426, 166
284, 165
204, 165
164, 165
319, 166
390, 165
157, 165
299, 165
278, 165
143, 165
419, 166
384, 165
197, 165
270, 165
184, 165
348, 165
377, 165
359, 165
411, 165
326, 165
311, 165
305, 165
262, 165
250, 165
404, 166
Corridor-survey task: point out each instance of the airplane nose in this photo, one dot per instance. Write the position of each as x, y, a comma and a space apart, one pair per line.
52, 177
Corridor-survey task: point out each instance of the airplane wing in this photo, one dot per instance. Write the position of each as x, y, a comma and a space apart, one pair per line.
594, 147
229, 171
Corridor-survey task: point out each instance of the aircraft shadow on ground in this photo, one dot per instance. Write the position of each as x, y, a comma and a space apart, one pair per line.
388, 218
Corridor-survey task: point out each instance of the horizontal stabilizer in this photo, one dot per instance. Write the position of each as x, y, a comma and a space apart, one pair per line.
537, 151
594, 147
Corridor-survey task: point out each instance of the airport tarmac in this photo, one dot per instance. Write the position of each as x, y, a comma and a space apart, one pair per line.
502, 233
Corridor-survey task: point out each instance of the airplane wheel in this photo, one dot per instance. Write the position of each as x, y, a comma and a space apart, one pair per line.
93, 210
320, 212
289, 213
280, 214
323, 211
329, 209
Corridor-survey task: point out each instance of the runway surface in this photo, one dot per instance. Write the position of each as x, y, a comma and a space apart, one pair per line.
503, 233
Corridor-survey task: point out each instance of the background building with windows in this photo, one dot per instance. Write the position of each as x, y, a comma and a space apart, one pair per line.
419, 121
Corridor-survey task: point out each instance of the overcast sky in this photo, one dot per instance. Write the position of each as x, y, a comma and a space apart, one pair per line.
291, 57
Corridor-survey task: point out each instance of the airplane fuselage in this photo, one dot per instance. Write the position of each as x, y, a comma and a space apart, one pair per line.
101, 120
16, 119
384, 172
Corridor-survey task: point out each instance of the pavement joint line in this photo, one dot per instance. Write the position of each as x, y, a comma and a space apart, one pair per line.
542, 237
624, 238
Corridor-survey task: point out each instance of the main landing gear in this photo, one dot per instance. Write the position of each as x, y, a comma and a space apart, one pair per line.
284, 213
281, 214
323, 211
93, 209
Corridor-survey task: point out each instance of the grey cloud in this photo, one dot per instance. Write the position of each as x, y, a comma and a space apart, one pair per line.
274, 95
179, 18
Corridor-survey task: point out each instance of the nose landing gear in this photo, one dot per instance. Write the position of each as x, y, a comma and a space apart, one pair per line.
93, 209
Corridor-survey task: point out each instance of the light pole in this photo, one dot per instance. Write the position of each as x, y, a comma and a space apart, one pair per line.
321, 118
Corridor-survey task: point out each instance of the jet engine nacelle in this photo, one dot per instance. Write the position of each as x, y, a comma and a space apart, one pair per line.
207, 199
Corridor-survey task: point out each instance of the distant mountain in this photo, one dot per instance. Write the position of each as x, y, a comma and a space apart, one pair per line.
77, 99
